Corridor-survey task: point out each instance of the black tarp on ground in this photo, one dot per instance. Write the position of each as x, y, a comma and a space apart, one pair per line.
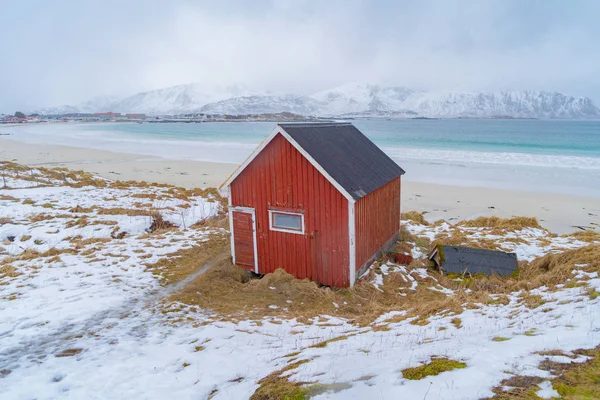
459, 259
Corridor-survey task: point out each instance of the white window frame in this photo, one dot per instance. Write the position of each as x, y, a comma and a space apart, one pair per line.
276, 229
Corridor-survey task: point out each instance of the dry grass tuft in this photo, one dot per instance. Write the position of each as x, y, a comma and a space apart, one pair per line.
79, 209
276, 386
571, 380
5, 220
586, 236
457, 322
8, 271
220, 221
69, 353
435, 367
78, 222
124, 211
326, 342
533, 300
8, 198
515, 223
521, 387
580, 381
553, 269
458, 237
30, 254
414, 216
40, 217
159, 223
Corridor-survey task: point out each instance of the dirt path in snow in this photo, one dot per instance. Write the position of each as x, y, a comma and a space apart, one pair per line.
128, 315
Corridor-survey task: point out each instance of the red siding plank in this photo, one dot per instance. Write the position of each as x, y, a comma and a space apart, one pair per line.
377, 220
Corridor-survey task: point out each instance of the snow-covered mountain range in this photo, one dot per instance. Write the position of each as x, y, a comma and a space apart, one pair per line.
357, 99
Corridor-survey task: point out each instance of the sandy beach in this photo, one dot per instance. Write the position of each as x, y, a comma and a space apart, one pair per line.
557, 212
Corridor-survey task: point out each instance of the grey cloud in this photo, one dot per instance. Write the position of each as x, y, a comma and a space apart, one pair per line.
69, 51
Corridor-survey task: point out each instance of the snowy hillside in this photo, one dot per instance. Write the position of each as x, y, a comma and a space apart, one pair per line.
172, 100
96, 104
264, 104
124, 290
363, 98
358, 99
367, 98
176, 100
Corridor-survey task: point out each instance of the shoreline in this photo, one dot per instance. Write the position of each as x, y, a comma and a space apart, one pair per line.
557, 212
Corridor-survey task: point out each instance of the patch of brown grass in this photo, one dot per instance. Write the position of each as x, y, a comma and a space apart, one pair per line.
8, 271
533, 300
326, 342
40, 217
8, 198
436, 366
5, 220
131, 212
457, 322
79, 209
31, 254
553, 353
79, 243
159, 223
219, 221
458, 237
586, 236
572, 381
277, 386
178, 265
579, 380
552, 269
405, 242
414, 216
185, 194
68, 353
515, 223
78, 222
103, 222
521, 387
230, 291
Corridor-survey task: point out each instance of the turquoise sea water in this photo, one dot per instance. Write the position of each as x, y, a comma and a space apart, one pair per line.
550, 137
541, 155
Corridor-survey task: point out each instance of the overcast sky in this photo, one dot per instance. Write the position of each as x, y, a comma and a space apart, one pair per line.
64, 52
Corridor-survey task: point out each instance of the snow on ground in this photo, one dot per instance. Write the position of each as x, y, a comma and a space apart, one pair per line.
89, 320
371, 361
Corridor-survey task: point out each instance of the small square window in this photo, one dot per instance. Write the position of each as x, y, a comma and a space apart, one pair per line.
286, 221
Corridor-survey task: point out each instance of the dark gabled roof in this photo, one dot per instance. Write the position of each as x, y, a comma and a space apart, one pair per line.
459, 259
348, 156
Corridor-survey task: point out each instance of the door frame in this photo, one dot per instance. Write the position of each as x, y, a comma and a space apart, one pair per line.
252, 212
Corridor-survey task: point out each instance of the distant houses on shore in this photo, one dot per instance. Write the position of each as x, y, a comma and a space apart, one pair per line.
77, 117
110, 116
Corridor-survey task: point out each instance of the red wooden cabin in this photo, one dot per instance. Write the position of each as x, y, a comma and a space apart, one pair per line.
320, 201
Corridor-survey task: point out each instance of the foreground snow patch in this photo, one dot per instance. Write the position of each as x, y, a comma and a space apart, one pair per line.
81, 316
